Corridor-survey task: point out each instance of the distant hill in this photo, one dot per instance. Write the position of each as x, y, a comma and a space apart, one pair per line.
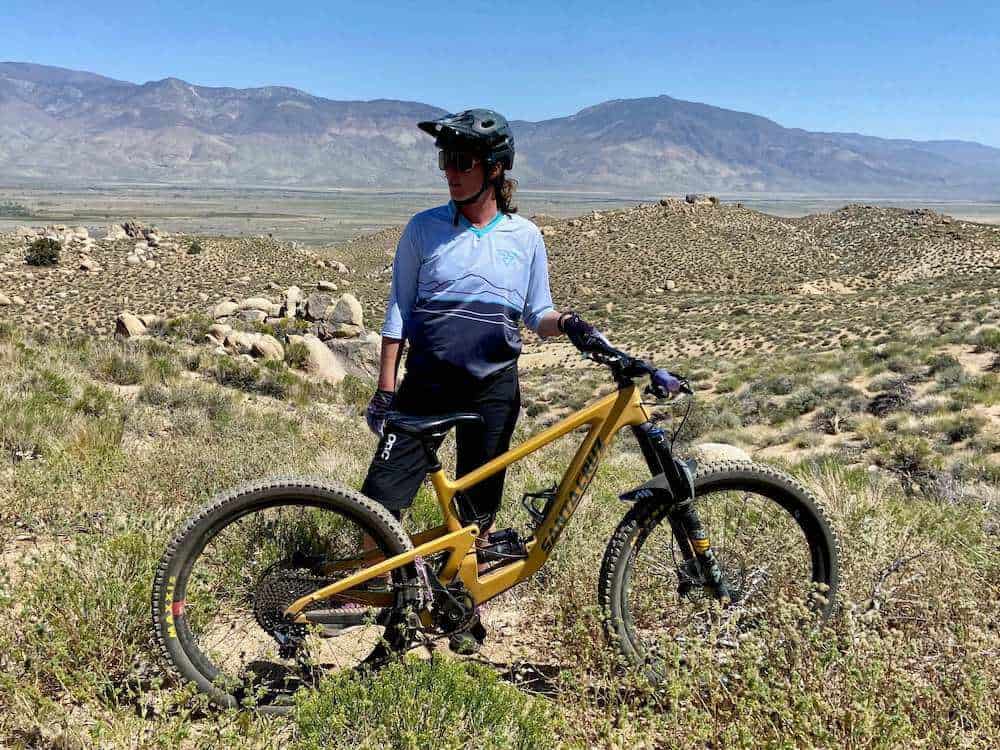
72, 127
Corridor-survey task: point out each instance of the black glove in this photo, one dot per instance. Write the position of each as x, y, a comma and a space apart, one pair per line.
380, 404
584, 336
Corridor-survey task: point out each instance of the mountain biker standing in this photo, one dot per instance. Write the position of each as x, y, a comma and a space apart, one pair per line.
463, 277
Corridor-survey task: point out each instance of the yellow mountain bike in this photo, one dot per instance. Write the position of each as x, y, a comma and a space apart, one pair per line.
269, 586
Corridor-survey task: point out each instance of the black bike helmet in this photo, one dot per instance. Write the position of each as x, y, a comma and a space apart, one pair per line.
481, 131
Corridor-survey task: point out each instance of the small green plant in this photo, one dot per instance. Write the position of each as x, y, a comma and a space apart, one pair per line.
355, 390
987, 340
410, 704
121, 368
296, 354
195, 248
191, 327
44, 251
94, 401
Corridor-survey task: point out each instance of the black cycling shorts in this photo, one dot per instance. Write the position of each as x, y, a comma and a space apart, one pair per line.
400, 464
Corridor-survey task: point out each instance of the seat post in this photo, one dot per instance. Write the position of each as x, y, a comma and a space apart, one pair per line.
433, 462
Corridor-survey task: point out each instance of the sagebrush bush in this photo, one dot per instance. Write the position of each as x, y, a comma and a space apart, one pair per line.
987, 340
44, 251
121, 367
415, 704
296, 354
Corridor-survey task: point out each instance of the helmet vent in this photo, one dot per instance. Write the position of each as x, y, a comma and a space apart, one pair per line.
488, 123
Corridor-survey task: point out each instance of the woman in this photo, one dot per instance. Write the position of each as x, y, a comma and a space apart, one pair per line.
465, 274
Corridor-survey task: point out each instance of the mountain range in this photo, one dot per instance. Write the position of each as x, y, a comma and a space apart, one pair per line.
60, 126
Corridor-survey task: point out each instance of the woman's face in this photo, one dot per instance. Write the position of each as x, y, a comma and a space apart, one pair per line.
464, 185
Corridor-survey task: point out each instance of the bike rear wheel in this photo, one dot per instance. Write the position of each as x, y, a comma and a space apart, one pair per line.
774, 545
229, 573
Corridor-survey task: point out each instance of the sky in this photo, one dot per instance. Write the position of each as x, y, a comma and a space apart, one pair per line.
923, 70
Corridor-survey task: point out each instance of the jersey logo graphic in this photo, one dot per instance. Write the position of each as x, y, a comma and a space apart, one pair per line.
390, 440
508, 257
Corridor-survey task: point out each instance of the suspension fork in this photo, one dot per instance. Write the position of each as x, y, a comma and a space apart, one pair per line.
673, 481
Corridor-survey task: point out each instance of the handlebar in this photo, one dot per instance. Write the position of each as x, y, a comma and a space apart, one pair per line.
624, 367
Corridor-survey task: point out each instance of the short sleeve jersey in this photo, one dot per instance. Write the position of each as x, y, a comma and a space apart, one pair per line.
459, 292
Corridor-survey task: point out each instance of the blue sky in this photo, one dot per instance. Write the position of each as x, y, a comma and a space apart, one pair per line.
923, 70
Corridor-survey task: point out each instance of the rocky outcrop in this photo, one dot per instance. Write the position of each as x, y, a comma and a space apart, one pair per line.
320, 361
705, 453
129, 326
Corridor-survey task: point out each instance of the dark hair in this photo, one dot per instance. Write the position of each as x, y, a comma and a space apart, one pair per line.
504, 188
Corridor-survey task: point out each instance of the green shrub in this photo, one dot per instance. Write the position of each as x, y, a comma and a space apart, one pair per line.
195, 248
191, 327
415, 704
987, 340
94, 401
960, 427
355, 390
121, 368
44, 251
296, 354
88, 618
910, 455
236, 373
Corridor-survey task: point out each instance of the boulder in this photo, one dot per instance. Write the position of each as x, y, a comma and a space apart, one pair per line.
267, 347
133, 229
133, 260
347, 310
115, 232
150, 320
150, 264
224, 309
255, 303
705, 453
337, 266
240, 341
217, 333
317, 304
293, 296
326, 330
19, 301
129, 326
671, 285
252, 316
360, 355
4, 300
320, 361
326, 286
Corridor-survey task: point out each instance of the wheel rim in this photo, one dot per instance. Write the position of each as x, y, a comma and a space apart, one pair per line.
764, 552
231, 590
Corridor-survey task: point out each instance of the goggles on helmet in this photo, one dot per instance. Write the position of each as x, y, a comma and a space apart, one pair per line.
461, 161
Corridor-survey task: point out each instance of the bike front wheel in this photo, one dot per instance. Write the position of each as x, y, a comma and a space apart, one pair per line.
774, 545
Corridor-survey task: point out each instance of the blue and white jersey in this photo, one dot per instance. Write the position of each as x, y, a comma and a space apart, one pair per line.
459, 293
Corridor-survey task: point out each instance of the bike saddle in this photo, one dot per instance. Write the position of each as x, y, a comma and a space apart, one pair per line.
427, 426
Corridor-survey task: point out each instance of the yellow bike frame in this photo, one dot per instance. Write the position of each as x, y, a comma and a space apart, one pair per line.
606, 417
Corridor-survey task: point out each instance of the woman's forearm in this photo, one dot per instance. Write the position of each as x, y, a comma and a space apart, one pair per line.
549, 324
388, 366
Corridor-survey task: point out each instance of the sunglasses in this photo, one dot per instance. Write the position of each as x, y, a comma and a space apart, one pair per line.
460, 161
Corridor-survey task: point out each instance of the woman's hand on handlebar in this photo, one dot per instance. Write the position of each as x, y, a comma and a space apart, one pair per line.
584, 336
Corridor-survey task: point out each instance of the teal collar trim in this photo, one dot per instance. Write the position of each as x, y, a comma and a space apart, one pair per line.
478, 231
